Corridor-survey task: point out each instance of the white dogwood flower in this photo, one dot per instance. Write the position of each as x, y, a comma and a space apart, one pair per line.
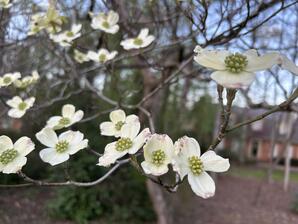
189, 161
27, 81
68, 118
80, 57
19, 106
5, 4
60, 148
141, 41
158, 154
130, 142
66, 38
118, 119
101, 56
51, 21
234, 70
8, 78
13, 156
106, 22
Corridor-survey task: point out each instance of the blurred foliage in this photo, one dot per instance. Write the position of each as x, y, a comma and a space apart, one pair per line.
294, 205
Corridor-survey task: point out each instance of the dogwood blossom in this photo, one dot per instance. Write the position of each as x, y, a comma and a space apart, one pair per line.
19, 106
68, 118
130, 142
141, 41
234, 70
102, 55
158, 153
5, 4
13, 156
118, 119
8, 78
80, 57
106, 22
27, 81
189, 161
60, 148
51, 21
66, 38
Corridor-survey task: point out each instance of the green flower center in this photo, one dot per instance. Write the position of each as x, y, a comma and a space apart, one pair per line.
102, 57
105, 24
22, 106
236, 63
8, 156
123, 144
64, 121
69, 34
7, 80
61, 146
119, 125
195, 165
158, 157
138, 41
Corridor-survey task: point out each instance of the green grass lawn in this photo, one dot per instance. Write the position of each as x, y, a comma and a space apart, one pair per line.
259, 173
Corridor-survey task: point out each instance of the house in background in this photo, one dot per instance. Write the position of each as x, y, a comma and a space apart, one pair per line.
265, 138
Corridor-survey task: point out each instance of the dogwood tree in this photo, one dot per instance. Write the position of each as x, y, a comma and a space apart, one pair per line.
73, 48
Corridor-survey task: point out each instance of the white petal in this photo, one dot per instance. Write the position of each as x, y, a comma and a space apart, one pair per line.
117, 115
5, 143
211, 58
53, 121
77, 116
108, 129
15, 166
110, 155
49, 155
148, 41
30, 101
202, 185
112, 55
24, 146
150, 168
289, 65
68, 111
139, 141
74, 148
214, 163
47, 137
187, 147
113, 29
128, 44
113, 17
93, 55
231, 80
67, 136
14, 102
143, 33
15, 113
181, 166
132, 118
259, 63
130, 130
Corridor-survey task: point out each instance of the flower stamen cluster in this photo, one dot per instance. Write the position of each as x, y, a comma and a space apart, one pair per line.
195, 165
236, 63
62, 146
123, 144
8, 156
158, 157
